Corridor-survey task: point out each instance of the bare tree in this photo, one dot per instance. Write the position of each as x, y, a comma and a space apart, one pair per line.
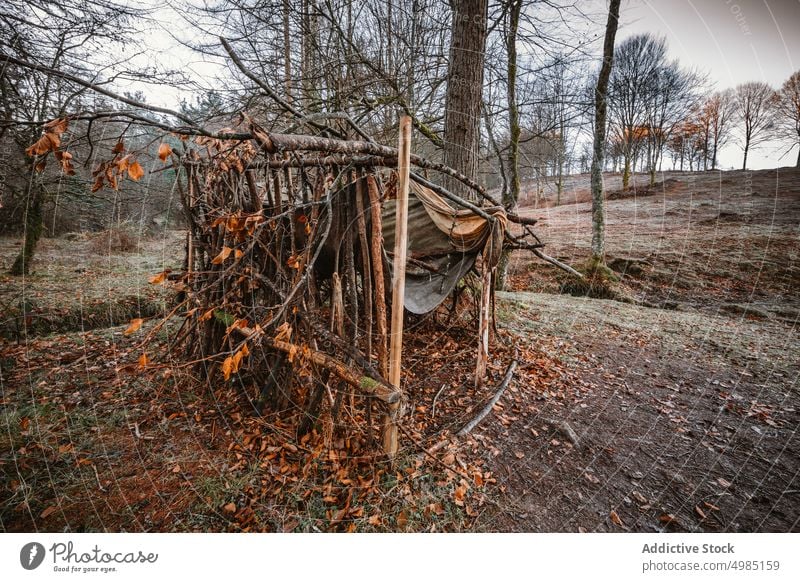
787, 109
638, 62
718, 109
754, 104
600, 107
68, 36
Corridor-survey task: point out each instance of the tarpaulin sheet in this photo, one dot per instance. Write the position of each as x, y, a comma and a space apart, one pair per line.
443, 244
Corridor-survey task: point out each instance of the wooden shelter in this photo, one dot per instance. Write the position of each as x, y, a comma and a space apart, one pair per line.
292, 249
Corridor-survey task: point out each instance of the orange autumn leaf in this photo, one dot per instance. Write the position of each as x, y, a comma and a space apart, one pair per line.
164, 152
227, 367
159, 278
135, 171
48, 512
223, 254
124, 163
143, 360
134, 326
238, 254
57, 126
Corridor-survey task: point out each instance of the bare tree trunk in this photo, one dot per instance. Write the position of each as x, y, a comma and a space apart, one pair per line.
600, 108
287, 52
464, 91
511, 194
797, 165
626, 170
746, 149
34, 225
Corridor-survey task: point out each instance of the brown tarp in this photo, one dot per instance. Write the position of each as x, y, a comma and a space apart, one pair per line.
443, 244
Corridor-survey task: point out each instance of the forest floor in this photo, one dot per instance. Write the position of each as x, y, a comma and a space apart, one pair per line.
673, 406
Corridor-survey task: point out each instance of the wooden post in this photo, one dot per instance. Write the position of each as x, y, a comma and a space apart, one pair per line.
483, 325
398, 283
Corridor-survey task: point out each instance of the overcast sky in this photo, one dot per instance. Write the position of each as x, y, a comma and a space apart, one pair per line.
733, 41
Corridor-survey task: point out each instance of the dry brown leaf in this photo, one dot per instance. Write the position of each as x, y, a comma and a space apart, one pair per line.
724, 482
164, 152
699, 512
135, 171
159, 278
402, 519
616, 519
57, 126
223, 254
49, 511
119, 147
229, 508
227, 367
667, 518
134, 326
143, 360
459, 493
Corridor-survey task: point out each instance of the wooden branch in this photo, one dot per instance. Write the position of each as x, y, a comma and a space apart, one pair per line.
488, 408
366, 384
280, 142
556, 262
376, 253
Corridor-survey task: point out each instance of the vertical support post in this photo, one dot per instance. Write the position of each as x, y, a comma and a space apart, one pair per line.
483, 324
398, 282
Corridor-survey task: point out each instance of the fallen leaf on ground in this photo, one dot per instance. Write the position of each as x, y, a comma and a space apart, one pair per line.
134, 326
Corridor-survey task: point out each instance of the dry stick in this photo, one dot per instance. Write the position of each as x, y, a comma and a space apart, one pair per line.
366, 273
398, 283
376, 252
488, 408
255, 199
364, 383
436, 398
484, 320
556, 262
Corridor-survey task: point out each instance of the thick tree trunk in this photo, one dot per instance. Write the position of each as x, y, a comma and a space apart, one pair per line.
34, 225
600, 109
464, 91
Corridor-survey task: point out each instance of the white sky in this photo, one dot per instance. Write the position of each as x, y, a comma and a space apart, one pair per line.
733, 41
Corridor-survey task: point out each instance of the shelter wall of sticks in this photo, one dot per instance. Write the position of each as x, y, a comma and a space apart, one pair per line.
289, 265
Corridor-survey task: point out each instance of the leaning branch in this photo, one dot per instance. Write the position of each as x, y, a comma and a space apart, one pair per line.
488, 408
556, 262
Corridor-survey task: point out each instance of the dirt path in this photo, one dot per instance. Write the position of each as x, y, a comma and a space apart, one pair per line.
684, 422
